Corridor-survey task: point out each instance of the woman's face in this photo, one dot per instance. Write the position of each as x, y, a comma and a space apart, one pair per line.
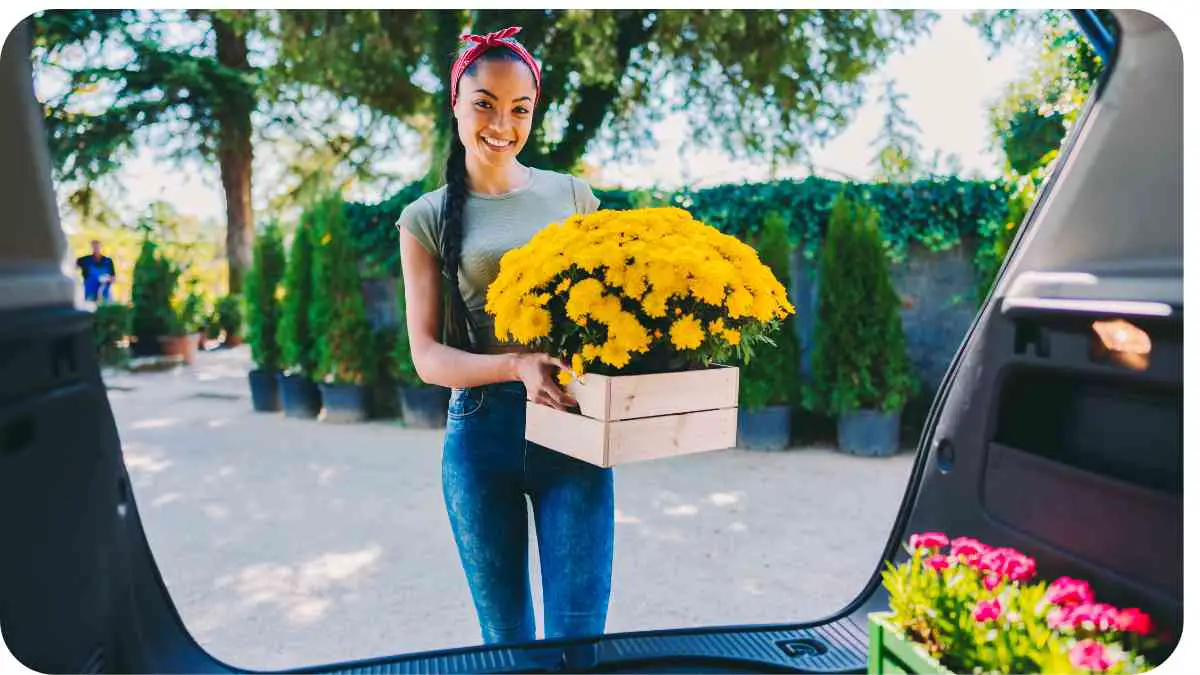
495, 110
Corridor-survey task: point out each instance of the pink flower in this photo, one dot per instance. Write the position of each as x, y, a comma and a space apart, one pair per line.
1010, 563
1066, 592
1061, 618
937, 562
1091, 655
968, 550
1096, 616
934, 540
991, 581
1019, 567
987, 610
1133, 620
993, 560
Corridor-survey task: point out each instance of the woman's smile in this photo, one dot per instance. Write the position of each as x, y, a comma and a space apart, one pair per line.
497, 144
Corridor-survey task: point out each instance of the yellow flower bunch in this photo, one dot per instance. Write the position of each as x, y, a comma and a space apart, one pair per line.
636, 291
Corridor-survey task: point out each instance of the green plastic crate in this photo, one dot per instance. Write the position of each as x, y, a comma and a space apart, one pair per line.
891, 654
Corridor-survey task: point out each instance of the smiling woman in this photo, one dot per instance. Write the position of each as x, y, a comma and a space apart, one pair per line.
490, 205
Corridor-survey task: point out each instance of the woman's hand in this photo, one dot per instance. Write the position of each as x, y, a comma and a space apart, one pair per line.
538, 372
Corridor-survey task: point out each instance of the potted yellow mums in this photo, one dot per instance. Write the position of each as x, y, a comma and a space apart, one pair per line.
651, 308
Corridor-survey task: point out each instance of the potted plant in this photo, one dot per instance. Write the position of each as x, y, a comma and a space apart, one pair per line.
183, 327
422, 406
262, 303
962, 606
154, 280
381, 394
297, 343
212, 328
650, 309
110, 329
861, 370
339, 317
769, 385
228, 310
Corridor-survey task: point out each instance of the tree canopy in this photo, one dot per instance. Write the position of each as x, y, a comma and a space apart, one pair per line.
751, 82
141, 76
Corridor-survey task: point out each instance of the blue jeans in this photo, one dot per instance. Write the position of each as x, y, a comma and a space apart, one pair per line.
487, 470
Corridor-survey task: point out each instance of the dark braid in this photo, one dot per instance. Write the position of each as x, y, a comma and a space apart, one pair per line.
457, 327
456, 332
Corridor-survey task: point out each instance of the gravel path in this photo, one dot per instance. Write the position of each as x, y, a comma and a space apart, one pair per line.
289, 542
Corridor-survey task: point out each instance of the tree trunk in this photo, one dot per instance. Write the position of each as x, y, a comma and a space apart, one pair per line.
235, 154
445, 40
594, 102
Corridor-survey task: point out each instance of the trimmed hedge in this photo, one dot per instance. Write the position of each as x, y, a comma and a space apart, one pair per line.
338, 315
297, 339
935, 213
262, 300
861, 357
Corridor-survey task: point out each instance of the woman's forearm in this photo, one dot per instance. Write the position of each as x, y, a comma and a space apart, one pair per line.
454, 368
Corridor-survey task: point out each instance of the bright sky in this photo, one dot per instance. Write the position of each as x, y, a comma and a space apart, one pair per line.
947, 75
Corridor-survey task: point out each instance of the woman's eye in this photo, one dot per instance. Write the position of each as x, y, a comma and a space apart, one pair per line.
521, 110
483, 104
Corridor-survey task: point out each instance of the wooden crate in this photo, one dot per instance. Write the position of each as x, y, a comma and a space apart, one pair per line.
629, 418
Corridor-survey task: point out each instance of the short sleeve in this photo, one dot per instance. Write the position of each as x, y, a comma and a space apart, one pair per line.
585, 200
421, 222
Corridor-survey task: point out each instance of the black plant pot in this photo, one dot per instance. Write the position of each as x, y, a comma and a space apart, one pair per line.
264, 390
146, 345
869, 432
343, 403
301, 399
423, 407
769, 428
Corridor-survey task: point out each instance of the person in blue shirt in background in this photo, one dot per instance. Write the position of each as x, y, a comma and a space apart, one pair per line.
98, 273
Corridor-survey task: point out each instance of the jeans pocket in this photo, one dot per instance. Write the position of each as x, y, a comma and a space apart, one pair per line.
465, 402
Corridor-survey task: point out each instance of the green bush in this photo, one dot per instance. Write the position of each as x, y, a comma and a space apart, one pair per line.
339, 313
772, 377
400, 364
192, 312
297, 344
154, 281
228, 313
262, 301
212, 325
861, 357
383, 401
111, 324
373, 232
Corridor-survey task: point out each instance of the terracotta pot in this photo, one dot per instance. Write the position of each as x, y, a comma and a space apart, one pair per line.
179, 345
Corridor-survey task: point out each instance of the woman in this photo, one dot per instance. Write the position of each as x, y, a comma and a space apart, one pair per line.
456, 235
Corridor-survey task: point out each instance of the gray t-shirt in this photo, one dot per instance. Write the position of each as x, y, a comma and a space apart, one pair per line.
494, 225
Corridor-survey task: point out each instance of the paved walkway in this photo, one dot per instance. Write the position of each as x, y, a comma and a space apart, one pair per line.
292, 542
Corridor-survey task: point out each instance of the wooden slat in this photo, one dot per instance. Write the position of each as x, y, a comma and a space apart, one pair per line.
671, 435
625, 397
575, 435
591, 392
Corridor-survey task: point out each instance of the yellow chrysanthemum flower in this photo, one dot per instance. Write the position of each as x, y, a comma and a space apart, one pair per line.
599, 288
686, 333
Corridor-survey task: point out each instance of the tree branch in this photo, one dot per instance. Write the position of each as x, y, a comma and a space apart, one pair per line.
595, 101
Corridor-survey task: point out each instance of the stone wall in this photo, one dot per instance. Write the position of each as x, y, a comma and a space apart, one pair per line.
937, 295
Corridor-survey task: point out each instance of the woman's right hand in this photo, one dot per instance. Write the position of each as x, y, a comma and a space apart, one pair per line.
539, 374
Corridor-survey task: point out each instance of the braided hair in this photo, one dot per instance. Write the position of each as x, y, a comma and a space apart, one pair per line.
457, 327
